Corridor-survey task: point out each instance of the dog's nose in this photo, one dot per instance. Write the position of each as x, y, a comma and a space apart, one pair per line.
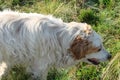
109, 57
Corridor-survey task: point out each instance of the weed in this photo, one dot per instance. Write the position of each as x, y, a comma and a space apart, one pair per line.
88, 16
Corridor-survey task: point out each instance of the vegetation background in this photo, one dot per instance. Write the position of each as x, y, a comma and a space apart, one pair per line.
103, 15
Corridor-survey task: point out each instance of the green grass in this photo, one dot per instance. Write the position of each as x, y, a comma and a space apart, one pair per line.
103, 15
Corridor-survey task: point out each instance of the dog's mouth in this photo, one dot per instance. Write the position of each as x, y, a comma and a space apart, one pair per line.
94, 61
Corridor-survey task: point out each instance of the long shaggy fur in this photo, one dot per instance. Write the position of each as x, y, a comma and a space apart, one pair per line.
38, 42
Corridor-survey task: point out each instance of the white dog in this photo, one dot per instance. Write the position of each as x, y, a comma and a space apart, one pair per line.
39, 42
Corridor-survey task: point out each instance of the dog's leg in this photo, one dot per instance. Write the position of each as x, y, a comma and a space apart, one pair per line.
3, 67
38, 71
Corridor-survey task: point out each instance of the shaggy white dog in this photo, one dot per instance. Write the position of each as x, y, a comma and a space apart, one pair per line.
39, 42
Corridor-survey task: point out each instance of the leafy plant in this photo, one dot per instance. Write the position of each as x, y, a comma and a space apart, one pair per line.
22, 2
88, 16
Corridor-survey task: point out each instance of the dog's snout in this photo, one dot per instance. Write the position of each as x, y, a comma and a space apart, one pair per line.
109, 57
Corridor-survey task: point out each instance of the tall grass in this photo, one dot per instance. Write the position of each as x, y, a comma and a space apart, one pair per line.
112, 72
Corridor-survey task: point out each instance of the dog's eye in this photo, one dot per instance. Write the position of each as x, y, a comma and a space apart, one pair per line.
99, 49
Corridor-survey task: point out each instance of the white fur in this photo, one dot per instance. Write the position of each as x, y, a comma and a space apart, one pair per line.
38, 42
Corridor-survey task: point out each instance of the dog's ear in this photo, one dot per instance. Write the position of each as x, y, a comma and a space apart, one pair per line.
77, 47
80, 47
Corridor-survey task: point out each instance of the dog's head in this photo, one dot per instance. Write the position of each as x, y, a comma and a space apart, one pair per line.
87, 45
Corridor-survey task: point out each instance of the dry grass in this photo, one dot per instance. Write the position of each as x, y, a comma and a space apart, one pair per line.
112, 71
